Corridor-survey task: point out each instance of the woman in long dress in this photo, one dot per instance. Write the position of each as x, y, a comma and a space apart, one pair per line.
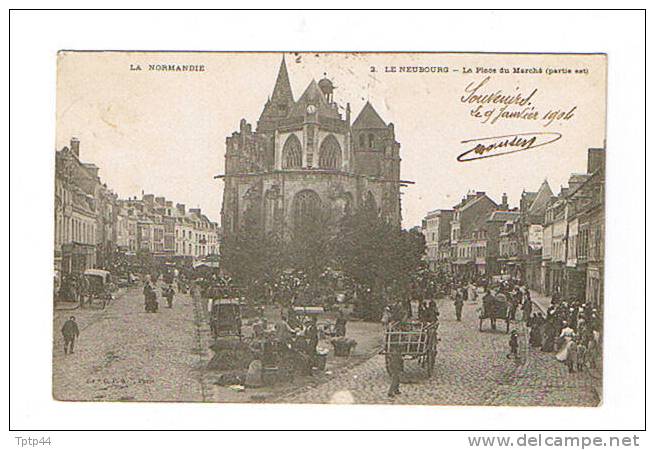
567, 352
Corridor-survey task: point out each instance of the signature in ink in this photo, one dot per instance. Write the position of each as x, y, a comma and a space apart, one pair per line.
503, 145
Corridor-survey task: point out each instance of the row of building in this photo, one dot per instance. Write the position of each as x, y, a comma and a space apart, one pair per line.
552, 243
93, 227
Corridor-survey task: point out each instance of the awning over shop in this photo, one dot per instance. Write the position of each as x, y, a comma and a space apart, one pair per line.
462, 262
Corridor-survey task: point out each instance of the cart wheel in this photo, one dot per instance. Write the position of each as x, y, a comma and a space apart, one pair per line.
387, 363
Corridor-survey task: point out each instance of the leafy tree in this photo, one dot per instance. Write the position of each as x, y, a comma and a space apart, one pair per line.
311, 247
252, 257
379, 257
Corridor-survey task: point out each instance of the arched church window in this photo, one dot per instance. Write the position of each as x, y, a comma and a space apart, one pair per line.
362, 141
306, 206
369, 202
292, 153
330, 154
371, 140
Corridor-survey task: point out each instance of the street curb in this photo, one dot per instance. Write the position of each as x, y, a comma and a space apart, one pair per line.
77, 306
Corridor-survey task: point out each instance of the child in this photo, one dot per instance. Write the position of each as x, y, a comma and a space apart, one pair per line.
513, 345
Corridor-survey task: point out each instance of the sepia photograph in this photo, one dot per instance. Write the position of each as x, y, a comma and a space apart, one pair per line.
329, 228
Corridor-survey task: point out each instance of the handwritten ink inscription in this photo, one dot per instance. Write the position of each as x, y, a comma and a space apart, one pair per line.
504, 145
493, 106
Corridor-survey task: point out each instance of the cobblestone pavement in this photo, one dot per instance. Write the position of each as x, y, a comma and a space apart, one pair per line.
124, 353
471, 369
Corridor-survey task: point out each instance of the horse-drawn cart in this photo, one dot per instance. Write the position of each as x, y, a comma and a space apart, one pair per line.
415, 340
495, 307
100, 287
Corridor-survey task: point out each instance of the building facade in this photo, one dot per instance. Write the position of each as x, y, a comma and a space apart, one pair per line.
533, 207
305, 156
573, 235
436, 229
468, 234
76, 211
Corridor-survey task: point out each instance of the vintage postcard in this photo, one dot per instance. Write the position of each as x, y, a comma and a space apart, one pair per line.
379, 228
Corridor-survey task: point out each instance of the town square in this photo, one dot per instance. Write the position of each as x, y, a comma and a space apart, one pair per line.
320, 261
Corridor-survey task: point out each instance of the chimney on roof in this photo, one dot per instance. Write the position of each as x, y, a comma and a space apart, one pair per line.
595, 159
75, 147
149, 199
503, 205
181, 208
195, 211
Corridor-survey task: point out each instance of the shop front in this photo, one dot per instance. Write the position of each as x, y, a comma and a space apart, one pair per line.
77, 257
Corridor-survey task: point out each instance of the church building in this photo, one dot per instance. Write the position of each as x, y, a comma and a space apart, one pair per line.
305, 155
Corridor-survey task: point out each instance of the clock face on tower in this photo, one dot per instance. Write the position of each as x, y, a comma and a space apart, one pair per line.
311, 109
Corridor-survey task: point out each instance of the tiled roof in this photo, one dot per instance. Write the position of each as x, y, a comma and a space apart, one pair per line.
369, 118
503, 216
313, 96
542, 199
282, 92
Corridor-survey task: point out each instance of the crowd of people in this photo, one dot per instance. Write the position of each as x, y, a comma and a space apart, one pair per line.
572, 330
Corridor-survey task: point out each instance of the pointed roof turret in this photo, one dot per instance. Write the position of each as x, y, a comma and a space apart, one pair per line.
313, 96
540, 202
278, 105
282, 92
369, 118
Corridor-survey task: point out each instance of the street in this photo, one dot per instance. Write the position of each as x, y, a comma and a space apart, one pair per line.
471, 369
125, 354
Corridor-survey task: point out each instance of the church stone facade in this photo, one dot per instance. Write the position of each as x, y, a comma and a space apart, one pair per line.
304, 155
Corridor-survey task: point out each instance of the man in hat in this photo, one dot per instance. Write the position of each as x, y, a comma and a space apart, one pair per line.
459, 303
395, 369
169, 294
513, 345
70, 332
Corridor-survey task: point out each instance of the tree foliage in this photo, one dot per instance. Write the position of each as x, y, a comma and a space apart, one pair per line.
379, 257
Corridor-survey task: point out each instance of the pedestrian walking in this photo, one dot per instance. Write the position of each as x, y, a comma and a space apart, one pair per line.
169, 293
459, 303
386, 316
581, 355
527, 307
432, 311
568, 349
83, 291
311, 334
593, 349
70, 332
422, 307
340, 324
536, 330
151, 304
395, 369
513, 345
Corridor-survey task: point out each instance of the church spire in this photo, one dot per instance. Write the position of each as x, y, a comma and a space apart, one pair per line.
279, 103
282, 91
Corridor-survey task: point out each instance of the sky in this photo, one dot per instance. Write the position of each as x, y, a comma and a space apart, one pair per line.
164, 132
